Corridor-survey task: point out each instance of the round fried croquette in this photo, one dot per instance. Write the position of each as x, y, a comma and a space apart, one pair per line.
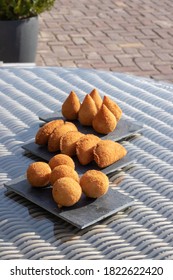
66, 192
87, 111
61, 160
63, 171
71, 106
104, 122
54, 138
94, 183
84, 148
68, 142
38, 174
44, 132
113, 107
97, 98
107, 152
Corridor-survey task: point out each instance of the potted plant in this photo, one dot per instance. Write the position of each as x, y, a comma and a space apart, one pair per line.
19, 28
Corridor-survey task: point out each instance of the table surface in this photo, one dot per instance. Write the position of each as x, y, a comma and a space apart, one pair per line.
145, 230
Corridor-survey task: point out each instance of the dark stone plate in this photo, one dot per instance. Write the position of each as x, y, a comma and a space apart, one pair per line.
84, 213
124, 129
44, 154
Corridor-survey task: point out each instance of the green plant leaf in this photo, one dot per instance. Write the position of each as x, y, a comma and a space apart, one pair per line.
19, 9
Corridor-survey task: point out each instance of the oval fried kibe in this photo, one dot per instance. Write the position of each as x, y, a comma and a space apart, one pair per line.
71, 106
54, 138
68, 142
66, 192
94, 183
44, 132
113, 107
104, 122
84, 148
61, 159
87, 111
97, 98
107, 152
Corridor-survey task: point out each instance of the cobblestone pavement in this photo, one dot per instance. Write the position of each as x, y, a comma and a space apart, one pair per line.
130, 36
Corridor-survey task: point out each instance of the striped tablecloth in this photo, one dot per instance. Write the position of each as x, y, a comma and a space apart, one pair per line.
145, 230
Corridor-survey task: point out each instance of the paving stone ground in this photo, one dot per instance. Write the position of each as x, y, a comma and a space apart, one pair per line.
130, 36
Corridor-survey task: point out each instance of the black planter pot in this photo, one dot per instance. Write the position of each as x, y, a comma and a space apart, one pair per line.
18, 40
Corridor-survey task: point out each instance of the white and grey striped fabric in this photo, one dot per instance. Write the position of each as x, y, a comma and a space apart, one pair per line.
144, 231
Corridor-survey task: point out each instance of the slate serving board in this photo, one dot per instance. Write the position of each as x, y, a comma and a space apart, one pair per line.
44, 154
124, 129
83, 214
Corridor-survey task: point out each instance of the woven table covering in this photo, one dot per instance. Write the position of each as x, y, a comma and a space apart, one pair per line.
143, 231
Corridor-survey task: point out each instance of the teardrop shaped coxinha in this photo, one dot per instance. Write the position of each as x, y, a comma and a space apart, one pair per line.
103, 115
87, 111
97, 98
113, 107
71, 106
104, 122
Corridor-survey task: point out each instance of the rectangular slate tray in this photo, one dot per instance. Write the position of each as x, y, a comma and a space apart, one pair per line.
44, 154
84, 213
124, 129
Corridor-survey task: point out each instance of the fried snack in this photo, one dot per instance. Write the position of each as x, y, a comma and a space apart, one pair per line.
71, 106
38, 174
66, 192
44, 132
107, 152
97, 98
68, 142
61, 160
63, 171
87, 111
84, 148
94, 183
54, 138
113, 107
104, 122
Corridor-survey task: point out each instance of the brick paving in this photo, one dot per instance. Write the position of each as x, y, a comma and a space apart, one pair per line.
130, 36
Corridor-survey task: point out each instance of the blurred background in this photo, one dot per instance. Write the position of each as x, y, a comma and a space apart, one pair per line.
130, 36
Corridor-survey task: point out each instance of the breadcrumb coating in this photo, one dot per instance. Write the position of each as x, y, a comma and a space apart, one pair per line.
61, 159
63, 171
68, 142
107, 152
87, 111
38, 174
54, 138
84, 148
97, 98
71, 106
94, 183
66, 192
45, 131
113, 107
104, 122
